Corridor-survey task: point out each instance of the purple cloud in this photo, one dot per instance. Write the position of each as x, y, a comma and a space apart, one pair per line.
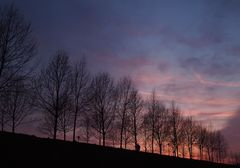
231, 132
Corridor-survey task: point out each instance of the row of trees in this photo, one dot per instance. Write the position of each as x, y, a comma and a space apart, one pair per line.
92, 107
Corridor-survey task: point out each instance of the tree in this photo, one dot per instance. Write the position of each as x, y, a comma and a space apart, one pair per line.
52, 89
210, 144
80, 80
17, 104
65, 120
161, 126
17, 47
153, 106
102, 104
220, 147
113, 134
85, 124
190, 129
136, 105
145, 130
174, 121
47, 125
3, 113
124, 88
201, 135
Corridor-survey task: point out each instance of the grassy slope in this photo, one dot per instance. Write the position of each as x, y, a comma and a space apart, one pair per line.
29, 151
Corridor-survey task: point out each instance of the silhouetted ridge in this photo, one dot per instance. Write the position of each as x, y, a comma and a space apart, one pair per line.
19, 150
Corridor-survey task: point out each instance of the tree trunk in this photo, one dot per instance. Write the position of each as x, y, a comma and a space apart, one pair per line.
64, 135
152, 145
145, 140
13, 123
122, 128
2, 122
125, 139
113, 142
100, 138
190, 151
74, 124
103, 134
135, 131
13, 127
200, 152
87, 130
55, 127
121, 131
183, 151
160, 148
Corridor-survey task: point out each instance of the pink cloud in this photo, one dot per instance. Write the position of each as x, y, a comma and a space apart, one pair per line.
204, 81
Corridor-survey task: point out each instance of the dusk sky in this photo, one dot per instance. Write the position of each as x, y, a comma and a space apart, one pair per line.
189, 51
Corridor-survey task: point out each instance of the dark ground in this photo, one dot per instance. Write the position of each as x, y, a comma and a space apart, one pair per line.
18, 150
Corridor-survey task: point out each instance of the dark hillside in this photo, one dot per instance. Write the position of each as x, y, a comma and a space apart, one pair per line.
19, 150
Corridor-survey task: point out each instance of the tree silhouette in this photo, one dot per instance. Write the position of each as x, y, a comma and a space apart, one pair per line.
124, 88
17, 104
190, 133
153, 105
65, 120
136, 105
102, 104
85, 125
3, 113
52, 89
161, 126
17, 47
174, 120
80, 81
201, 136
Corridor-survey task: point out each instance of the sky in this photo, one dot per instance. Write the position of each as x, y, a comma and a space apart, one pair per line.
188, 51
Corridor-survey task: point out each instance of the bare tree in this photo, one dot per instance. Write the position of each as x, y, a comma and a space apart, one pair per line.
3, 113
175, 125
47, 125
210, 144
190, 135
80, 80
52, 89
124, 88
17, 46
220, 147
17, 104
102, 104
153, 106
145, 130
161, 126
234, 159
127, 131
182, 137
201, 136
65, 120
136, 105
17, 49
113, 134
85, 125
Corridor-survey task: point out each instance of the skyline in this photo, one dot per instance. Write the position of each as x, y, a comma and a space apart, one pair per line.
188, 51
